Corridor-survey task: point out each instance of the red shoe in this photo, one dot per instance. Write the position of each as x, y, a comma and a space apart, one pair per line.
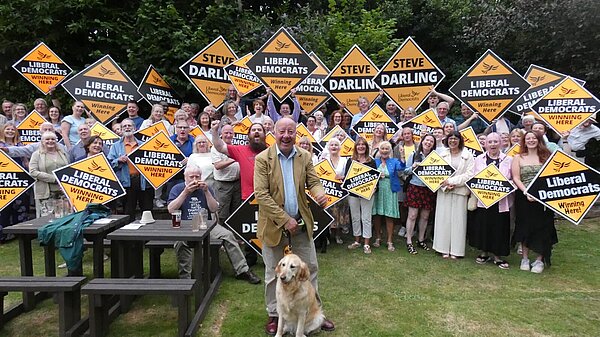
271, 326
326, 326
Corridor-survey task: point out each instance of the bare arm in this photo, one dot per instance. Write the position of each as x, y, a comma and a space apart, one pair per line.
516, 173
218, 143
64, 130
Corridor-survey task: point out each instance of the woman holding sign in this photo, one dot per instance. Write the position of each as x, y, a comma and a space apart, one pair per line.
339, 211
46, 159
360, 208
490, 231
419, 197
385, 204
450, 231
534, 226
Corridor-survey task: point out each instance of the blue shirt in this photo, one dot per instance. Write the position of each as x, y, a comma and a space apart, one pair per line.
193, 203
290, 204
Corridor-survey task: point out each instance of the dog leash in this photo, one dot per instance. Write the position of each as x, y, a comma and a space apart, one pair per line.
288, 248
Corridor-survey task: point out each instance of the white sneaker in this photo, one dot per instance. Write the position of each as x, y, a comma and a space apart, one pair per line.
339, 240
402, 232
159, 203
525, 264
537, 267
62, 265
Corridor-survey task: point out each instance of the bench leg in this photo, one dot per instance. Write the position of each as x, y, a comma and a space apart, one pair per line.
2, 309
69, 310
26, 269
97, 315
98, 256
215, 264
184, 317
154, 261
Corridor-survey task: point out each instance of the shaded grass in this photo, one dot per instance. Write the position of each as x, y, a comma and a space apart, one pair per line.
386, 294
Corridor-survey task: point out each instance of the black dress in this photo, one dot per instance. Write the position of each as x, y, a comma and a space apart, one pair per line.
534, 224
490, 228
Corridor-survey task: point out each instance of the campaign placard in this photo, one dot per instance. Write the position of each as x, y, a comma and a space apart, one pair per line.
106, 134
242, 78
490, 186
240, 132
566, 106
158, 159
361, 180
29, 128
104, 88
197, 131
425, 122
14, 180
471, 142
281, 64
302, 131
145, 133
270, 139
333, 187
366, 125
351, 78
513, 150
90, 180
490, 86
205, 70
243, 221
567, 186
409, 75
43, 68
155, 89
346, 146
433, 171
310, 93
542, 80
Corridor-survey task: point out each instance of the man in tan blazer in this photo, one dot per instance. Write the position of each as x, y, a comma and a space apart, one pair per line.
281, 174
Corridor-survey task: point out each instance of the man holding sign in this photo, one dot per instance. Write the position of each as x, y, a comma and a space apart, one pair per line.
281, 174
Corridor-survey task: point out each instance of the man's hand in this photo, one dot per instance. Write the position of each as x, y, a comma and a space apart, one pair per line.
321, 199
194, 185
292, 226
122, 159
214, 127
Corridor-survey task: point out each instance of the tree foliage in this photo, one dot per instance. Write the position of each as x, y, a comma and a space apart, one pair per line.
560, 35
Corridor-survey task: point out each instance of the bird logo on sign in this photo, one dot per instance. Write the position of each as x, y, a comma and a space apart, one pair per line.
99, 134
34, 124
535, 79
3, 164
159, 145
155, 79
281, 45
559, 165
490, 174
105, 71
324, 172
96, 167
488, 67
42, 56
567, 91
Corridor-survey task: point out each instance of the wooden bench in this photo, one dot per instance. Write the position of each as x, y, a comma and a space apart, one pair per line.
156, 248
100, 291
68, 297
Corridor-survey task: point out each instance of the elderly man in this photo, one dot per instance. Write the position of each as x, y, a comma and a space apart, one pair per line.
77, 152
281, 175
190, 196
139, 192
443, 108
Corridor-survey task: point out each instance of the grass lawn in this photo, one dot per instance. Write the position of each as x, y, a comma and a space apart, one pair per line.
384, 294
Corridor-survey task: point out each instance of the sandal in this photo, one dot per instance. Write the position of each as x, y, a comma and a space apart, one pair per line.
391, 247
377, 243
367, 249
482, 259
501, 264
354, 245
446, 256
411, 249
423, 245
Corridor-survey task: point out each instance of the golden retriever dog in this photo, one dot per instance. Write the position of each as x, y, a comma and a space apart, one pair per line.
297, 303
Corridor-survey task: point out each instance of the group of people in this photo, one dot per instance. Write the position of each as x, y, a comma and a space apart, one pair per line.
218, 176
